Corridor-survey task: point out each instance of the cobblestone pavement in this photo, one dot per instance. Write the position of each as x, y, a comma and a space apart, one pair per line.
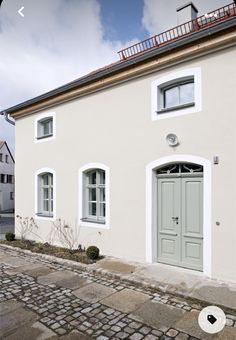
76, 302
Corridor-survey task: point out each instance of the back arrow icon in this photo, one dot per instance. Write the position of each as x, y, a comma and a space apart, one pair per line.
20, 11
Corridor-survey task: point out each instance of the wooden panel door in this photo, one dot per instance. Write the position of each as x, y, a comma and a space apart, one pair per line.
168, 224
180, 221
192, 222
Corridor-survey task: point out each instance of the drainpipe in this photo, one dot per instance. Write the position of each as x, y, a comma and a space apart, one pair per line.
6, 116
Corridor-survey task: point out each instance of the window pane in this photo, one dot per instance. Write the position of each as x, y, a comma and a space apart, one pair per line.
45, 179
45, 193
45, 205
92, 194
92, 209
51, 205
102, 209
51, 192
102, 195
187, 93
102, 177
92, 177
171, 97
47, 127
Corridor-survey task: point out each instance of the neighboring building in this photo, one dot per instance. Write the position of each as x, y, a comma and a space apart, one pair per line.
6, 178
140, 152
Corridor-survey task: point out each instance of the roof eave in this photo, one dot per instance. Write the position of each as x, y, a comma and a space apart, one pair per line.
126, 63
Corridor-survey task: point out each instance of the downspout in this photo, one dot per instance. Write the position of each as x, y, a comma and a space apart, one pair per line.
6, 116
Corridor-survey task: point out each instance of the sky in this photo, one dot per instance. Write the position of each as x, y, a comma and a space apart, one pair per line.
58, 41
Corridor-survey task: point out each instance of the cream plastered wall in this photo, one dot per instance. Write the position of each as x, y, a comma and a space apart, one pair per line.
115, 127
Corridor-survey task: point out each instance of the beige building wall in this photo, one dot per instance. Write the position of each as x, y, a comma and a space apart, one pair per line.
114, 127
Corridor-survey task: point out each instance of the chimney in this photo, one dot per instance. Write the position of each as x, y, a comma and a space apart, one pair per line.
186, 13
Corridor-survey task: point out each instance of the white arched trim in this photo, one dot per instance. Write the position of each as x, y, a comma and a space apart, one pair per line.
151, 204
82, 170
36, 194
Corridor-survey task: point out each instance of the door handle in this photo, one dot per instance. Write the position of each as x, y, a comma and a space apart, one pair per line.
176, 219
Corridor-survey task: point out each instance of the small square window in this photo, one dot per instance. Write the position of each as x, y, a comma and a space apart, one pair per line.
175, 96
45, 128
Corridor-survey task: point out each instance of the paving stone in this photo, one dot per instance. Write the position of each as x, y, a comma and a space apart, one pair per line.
15, 319
126, 300
122, 335
117, 266
158, 315
189, 324
150, 337
172, 333
56, 276
182, 336
136, 336
93, 292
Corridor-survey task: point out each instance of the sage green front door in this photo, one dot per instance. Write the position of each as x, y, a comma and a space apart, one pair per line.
180, 220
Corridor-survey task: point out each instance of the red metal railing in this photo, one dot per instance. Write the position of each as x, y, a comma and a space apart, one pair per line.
178, 32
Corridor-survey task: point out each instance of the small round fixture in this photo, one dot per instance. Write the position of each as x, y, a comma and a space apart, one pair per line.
172, 139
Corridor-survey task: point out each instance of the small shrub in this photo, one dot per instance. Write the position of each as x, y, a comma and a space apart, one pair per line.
92, 252
10, 236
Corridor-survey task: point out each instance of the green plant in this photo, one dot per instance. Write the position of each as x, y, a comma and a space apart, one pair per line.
10, 236
92, 252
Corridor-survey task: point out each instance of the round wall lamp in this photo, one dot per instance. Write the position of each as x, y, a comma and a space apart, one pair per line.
172, 139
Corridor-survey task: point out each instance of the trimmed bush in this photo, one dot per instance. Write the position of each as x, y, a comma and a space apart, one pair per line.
10, 236
92, 252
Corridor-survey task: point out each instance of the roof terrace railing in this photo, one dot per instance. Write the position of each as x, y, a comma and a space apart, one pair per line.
178, 32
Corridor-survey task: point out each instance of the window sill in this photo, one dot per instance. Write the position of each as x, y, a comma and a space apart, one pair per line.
44, 216
44, 137
90, 220
85, 222
175, 108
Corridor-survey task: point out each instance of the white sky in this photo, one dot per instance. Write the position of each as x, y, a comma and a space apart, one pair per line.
60, 40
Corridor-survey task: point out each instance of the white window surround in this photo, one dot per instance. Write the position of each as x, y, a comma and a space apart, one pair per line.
151, 204
36, 197
174, 77
36, 122
82, 170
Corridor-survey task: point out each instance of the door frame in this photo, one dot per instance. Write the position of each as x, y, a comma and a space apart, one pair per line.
151, 207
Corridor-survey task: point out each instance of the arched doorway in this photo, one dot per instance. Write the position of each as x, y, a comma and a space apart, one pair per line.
162, 168
180, 215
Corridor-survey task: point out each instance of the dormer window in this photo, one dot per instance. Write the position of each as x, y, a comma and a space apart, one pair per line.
45, 127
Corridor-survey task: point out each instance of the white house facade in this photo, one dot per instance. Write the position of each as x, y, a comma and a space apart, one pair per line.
141, 153
7, 191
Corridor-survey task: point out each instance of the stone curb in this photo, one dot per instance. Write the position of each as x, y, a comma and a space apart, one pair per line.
126, 279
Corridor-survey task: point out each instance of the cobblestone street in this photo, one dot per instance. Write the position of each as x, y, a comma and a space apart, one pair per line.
43, 300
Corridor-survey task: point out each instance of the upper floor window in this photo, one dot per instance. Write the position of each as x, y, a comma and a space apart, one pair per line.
180, 94
6, 158
176, 94
1, 157
45, 194
45, 127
